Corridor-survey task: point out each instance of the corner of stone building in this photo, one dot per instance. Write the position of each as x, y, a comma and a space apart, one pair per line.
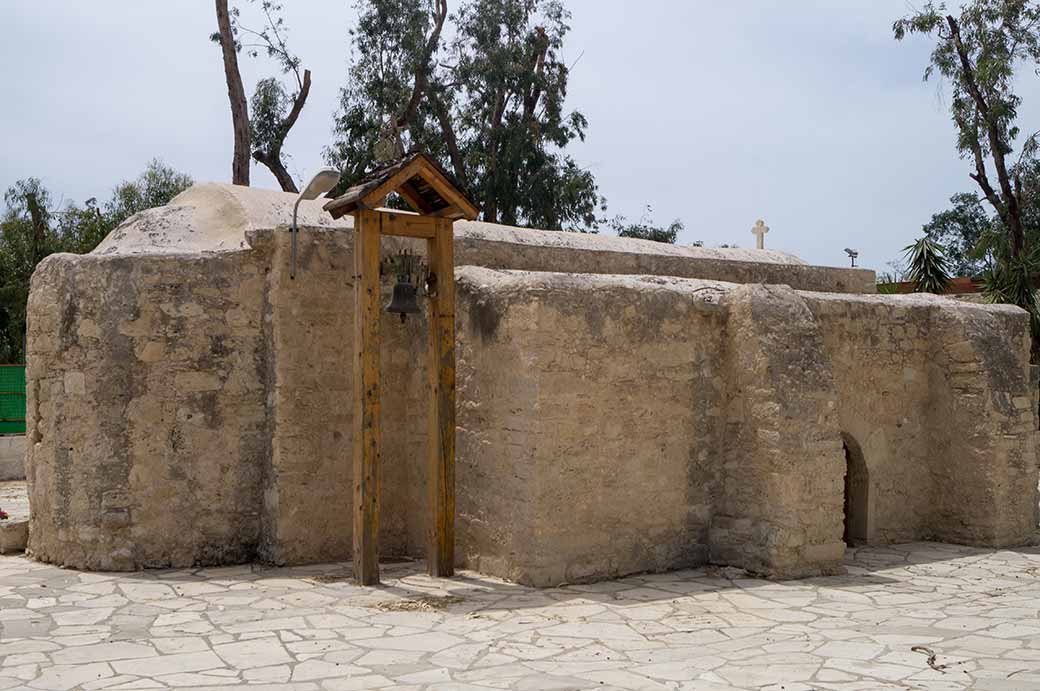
984, 426
781, 510
144, 411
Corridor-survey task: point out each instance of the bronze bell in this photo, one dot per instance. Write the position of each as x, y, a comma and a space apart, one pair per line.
404, 301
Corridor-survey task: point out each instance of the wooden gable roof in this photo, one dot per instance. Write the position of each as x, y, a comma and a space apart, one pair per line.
419, 180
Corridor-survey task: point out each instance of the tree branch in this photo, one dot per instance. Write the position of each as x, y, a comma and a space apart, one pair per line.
422, 67
980, 176
273, 161
298, 102
236, 96
1012, 214
450, 139
272, 157
532, 96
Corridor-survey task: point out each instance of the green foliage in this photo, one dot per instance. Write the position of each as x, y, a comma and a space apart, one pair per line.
82, 229
645, 229
978, 53
996, 35
30, 231
26, 237
387, 48
977, 240
1012, 283
962, 230
270, 106
927, 267
491, 104
156, 186
274, 107
887, 280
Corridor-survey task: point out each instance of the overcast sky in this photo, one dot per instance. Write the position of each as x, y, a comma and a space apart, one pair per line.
803, 112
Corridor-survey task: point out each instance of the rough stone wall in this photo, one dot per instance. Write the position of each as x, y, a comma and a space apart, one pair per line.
984, 427
146, 424
588, 423
503, 247
879, 353
761, 392
309, 486
196, 409
780, 511
937, 396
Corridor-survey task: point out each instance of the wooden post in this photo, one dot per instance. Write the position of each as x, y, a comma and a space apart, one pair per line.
440, 556
367, 432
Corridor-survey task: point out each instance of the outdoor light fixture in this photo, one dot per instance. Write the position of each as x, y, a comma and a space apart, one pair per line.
852, 255
411, 272
323, 181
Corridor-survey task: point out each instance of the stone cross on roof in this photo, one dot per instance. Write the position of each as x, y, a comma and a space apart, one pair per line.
760, 231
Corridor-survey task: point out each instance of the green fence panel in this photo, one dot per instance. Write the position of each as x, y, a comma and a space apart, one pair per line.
12, 399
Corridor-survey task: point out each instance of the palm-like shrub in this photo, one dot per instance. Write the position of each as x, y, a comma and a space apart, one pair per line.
927, 267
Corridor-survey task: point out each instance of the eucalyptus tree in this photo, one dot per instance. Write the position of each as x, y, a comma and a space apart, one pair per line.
275, 107
229, 47
482, 89
979, 52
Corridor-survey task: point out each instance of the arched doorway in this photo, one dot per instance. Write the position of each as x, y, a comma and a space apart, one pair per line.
857, 493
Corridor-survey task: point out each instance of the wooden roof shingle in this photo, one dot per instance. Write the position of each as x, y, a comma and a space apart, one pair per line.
420, 181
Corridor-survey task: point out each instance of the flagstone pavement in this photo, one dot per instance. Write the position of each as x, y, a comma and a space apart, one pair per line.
920, 616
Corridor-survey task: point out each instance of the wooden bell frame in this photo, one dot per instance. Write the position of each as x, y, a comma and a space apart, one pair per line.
438, 202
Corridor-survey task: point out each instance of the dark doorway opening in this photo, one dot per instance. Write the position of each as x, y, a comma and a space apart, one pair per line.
857, 493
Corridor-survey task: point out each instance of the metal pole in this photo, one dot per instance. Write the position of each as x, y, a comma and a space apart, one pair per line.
292, 261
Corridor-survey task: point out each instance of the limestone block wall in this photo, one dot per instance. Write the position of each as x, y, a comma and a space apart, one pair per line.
588, 423
771, 396
936, 398
503, 247
781, 506
310, 345
984, 431
196, 409
310, 340
880, 354
147, 424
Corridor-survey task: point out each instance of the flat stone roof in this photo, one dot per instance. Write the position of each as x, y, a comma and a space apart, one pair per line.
214, 218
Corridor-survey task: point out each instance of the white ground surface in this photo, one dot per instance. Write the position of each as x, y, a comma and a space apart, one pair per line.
921, 616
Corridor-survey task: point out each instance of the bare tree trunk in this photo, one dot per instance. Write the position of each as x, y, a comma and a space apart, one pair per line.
1007, 203
422, 68
538, 69
237, 97
491, 200
39, 228
451, 141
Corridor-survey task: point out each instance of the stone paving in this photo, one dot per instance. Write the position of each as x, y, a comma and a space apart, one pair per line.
14, 499
921, 616
14, 530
